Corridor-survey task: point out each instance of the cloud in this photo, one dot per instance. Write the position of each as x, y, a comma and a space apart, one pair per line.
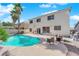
53, 5
74, 17
9, 7
45, 5
1, 14
48, 5
5, 9
7, 19
49, 12
22, 20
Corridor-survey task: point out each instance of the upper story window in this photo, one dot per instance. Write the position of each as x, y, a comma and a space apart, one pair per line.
57, 27
39, 20
51, 17
31, 21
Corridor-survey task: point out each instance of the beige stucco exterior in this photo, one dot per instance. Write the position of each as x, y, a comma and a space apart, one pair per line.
77, 27
61, 18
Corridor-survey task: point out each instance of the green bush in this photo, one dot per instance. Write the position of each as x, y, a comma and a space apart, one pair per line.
3, 34
66, 41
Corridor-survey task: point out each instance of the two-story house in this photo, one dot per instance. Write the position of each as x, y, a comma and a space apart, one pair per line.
55, 23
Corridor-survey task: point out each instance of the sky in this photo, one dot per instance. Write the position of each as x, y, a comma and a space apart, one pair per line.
31, 10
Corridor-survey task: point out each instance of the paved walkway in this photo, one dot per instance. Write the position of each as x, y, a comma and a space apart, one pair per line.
73, 48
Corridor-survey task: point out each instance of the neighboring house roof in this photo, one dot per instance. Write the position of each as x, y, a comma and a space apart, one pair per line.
76, 24
23, 25
69, 8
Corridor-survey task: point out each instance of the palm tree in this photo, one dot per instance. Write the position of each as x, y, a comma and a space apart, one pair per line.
15, 13
14, 17
18, 9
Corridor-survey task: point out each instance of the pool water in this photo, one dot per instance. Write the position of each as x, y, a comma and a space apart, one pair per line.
21, 40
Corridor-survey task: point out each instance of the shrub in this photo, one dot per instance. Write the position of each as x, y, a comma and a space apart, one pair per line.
3, 34
66, 41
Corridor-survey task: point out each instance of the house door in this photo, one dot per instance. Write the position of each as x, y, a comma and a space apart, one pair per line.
38, 30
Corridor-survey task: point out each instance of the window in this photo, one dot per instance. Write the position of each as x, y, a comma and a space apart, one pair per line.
31, 21
38, 20
46, 29
30, 29
57, 27
51, 17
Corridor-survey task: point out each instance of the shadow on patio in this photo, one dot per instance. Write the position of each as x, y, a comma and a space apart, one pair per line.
59, 47
72, 49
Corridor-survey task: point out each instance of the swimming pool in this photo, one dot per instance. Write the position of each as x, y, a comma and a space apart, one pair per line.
21, 40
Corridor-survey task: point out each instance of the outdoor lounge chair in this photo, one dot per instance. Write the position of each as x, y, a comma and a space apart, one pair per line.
59, 38
51, 40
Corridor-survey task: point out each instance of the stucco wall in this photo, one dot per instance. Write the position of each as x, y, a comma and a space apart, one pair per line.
77, 28
60, 18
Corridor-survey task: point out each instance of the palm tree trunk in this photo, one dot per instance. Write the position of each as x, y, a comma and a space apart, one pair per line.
18, 25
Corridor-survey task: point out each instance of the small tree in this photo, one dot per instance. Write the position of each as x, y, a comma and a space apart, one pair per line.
3, 34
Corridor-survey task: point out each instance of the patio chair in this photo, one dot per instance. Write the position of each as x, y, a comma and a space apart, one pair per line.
59, 39
51, 40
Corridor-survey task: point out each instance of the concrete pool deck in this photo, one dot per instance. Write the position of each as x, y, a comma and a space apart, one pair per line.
38, 35
66, 49
73, 48
39, 50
